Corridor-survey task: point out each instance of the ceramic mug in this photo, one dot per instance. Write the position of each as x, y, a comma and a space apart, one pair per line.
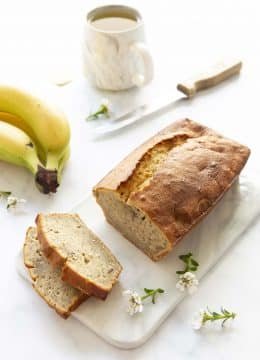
116, 59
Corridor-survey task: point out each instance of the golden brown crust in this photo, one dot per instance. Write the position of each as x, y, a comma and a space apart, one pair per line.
126, 167
188, 184
74, 279
74, 306
68, 274
30, 266
54, 258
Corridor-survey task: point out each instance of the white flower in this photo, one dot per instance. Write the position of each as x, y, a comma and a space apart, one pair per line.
15, 203
135, 302
187, 281
197, 321
106, 103
105, 107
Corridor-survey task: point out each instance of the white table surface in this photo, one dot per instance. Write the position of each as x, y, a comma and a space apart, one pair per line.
38, 39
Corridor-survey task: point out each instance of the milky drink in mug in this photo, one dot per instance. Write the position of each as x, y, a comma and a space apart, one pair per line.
114, 52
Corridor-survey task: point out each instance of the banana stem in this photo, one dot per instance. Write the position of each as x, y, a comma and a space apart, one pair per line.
46, 180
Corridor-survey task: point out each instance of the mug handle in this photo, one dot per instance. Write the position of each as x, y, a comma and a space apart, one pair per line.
142, 50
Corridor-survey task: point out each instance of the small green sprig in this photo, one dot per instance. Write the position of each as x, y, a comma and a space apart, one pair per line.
102, 110
203, 316
190, 264
224, 315
152, 293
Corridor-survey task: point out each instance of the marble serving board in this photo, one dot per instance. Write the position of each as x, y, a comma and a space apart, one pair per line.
208, 241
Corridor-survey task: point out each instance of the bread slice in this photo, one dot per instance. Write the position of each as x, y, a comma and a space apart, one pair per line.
156, 195
87, 264
47, 281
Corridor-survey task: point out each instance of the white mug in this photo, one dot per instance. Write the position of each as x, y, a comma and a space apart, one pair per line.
116, 59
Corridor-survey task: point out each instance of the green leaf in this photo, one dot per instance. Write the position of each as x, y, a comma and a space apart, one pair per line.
223, 322
180, 272
194, 262
148, 291
225, 311
5, 193
191, 264
161, 291
193, 268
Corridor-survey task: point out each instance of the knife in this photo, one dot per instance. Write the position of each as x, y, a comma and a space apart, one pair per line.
212, 77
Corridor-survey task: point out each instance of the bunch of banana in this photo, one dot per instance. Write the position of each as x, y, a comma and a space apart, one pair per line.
33, 134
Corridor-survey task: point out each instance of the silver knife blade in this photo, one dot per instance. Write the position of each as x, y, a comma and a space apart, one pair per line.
141, 112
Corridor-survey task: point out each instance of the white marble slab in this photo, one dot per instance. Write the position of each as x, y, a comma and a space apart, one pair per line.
208, 242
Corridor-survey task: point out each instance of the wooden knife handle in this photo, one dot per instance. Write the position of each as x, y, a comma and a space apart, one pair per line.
212, 77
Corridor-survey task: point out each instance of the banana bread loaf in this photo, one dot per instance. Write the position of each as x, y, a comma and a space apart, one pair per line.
168, 184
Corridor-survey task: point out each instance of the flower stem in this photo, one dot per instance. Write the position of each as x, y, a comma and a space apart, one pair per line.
146, 296
103, 109
151, 293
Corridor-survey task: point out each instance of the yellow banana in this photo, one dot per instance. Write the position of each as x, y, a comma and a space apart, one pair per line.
44, 123
62, 163
18, 122
16, 147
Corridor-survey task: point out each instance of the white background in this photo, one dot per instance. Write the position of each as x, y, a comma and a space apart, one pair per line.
40, 41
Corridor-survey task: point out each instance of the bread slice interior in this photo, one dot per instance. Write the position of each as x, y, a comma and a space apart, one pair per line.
47, 281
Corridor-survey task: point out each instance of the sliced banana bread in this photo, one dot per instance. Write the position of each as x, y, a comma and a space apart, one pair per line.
47, 281
168, 184
87, 264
